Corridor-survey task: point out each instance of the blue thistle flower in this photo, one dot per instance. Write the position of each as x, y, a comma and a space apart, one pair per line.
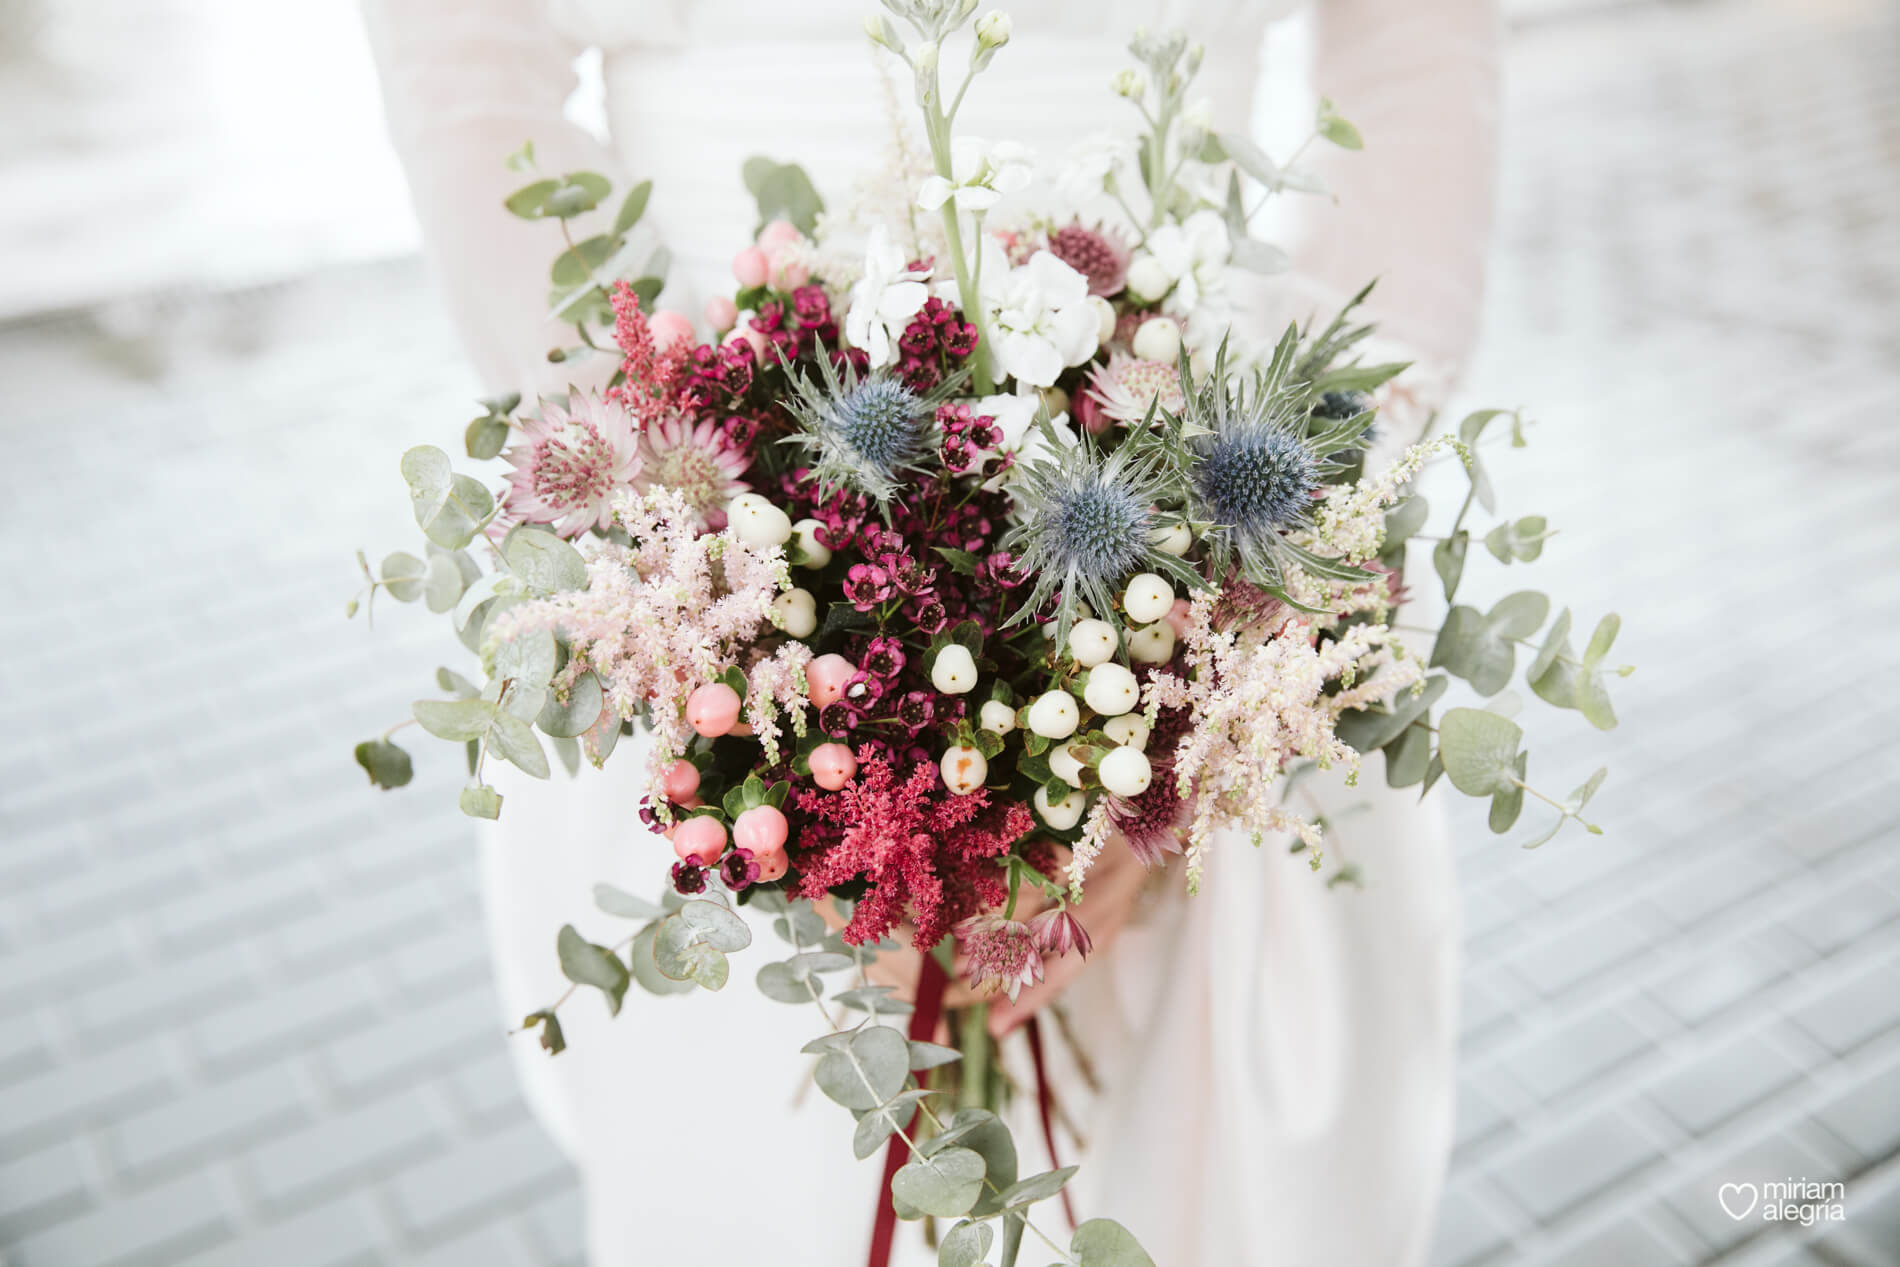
864, 433
1257, 478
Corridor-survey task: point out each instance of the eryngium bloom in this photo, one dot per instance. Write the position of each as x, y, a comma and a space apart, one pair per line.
1085, 527
864, 434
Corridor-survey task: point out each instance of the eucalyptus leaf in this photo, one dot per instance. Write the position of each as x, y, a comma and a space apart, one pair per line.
574, 716
1251, 159
569, 753
543, 561
513, 740
930, 1055
1556, 643
646, 971
454, 719
484, 437
454, 683
1259, 257
717, 925
875, 999
1404, 520
944, 1185
449, 508
624, 905
965, 1245
442, 585
813, 962
1581, 797
1508, 803
480, 802
527, 659
800, 925
1448, 560
402, 576
1368, 730
884, 1121
776, 982
528, 200
1036, 1188
872, 1069
1478, 749
1106, 1243
584, 963
387, 765
1601, 640
1408, 758
633, 206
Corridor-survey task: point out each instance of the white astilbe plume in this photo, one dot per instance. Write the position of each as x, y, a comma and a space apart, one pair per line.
1258, 703
1089, 847
670, 611
1350, 519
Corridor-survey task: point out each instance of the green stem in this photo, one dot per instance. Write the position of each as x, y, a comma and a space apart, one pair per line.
973, 1092
937, 132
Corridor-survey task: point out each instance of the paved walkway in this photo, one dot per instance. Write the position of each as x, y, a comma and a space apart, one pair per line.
249, 1017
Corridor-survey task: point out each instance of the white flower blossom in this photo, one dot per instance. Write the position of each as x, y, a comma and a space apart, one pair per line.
981, 173
1038, 316
884, 300
1194, 255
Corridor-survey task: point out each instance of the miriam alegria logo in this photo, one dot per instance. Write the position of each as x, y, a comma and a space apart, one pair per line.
1804, 1201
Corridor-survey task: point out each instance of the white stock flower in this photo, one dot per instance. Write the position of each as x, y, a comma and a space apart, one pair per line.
981, 173
884, 300
1038, 316
1194, 256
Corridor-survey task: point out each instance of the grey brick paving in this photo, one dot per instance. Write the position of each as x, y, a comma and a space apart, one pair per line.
248, 1013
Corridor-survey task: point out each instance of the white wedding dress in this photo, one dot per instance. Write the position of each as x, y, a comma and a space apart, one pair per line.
1275, 1058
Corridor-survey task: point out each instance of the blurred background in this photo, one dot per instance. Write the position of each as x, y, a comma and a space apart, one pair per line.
248, 1013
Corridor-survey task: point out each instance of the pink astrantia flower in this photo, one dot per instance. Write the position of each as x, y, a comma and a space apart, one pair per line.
1000, 950
1057, 932
1125, 387
1098, 254
696, 461
570, 462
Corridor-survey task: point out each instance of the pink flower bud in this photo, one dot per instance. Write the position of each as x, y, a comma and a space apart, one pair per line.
779, 233
826, 677
700, 840
712, 709
721, 312
669, 329
680, 781
789, 274
832, 766
1177, 617
751, 267
762, 829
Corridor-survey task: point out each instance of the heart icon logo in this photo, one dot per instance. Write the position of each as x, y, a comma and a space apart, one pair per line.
1738, 1199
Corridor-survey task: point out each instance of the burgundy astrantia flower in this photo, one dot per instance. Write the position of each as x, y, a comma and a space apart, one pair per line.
738, 869
920, 851
1057, 932
1098, 254
1000, 950
689, 878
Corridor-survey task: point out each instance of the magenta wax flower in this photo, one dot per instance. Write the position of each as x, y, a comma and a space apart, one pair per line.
883, 658
866, 585
689, 878
1056, 932
570, 461
738, 869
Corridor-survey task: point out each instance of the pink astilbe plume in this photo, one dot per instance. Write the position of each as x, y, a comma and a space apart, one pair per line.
922, 852
650, 378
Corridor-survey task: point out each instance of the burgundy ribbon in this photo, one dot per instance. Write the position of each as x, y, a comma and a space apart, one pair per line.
1045, 1100
931, 982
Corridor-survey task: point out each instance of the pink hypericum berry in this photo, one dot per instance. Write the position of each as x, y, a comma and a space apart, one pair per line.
721, 312
681, 780
789, 273
669, 329
832, 766
750, 267
762, 829
701, 839
779, 233
712, 709
826, 677
772, 865
1178, 617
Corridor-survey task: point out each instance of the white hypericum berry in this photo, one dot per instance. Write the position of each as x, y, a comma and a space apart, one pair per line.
797, 612
1054, 715
1152, 644
1130, 730
1148, 281
1091, 642
996, 717
1147, 598
1062, 814
1125, 771
954, 670
964, 770
1105, 319
758, 522
1065, 765
815, 553
1112, 690
1159, 338
1172, 537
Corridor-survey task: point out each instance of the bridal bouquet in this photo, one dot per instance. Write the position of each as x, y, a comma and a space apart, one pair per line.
975, 544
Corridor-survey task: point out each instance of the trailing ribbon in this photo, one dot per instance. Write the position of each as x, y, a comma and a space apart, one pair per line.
923, 1025
1045, 1100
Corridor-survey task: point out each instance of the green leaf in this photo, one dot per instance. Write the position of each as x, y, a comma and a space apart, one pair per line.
402, 575
575, 716
868, 1072
1519, 615
1593, 700
442, 586
1036, 1188
1253, 160
986, 1135
1508, 803
449, 508
569, 751
682, 953
485, 437
584, 963
800, 925
1337, 130
577, 263
1448, 560
962, 562
454, 719
717, 925
1601, 640
578, 193
1368, 730
881, 1123
1581, 797
1522, 541
1556, 643
965, 1245
543, 561
619, 902
529, 200
1408, 759
527, 659
387, 765
1259, 257
551, 1038
1404, 520
513, 740
1106, 1243
646, 972
480, 802
930, 1055
944, 1185
783, 192
632, 207
1478, 749
776, 982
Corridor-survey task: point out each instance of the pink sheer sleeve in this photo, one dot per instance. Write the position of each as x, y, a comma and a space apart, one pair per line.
1414, 207
465, 83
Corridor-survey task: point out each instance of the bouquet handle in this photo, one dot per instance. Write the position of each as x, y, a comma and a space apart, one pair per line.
931, 981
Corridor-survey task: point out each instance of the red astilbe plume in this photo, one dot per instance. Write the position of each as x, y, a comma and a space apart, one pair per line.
922, 852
